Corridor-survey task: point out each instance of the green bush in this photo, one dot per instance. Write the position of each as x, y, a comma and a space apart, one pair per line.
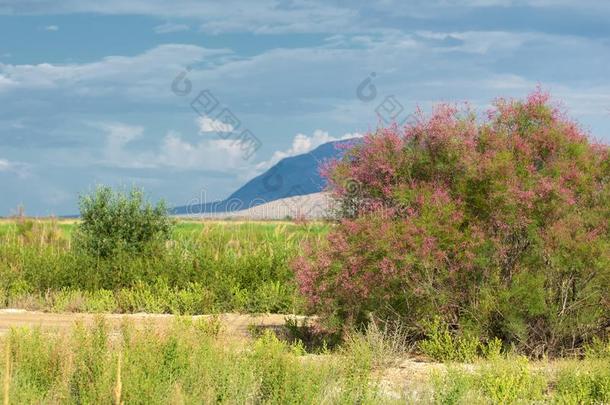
443, 345
116, 221
502, 381
506, 382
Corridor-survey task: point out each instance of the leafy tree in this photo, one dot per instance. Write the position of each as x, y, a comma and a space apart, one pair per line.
113, 222
500, 225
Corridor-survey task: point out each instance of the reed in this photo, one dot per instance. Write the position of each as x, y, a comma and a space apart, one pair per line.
119, 384
7, 372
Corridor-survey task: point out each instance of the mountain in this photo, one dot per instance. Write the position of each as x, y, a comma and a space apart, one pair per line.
292, 176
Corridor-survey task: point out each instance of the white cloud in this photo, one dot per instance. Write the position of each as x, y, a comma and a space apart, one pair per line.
302, 144
170, 27
173, 152
218, 154
6, 83
144, 76
207, 124
51, 28
4, 165
118, 135
20, 169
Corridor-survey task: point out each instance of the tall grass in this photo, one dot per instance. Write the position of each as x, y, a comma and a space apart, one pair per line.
206, 267
185, 364
515, 380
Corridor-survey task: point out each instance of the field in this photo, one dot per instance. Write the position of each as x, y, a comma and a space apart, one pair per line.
207, 267
65, 354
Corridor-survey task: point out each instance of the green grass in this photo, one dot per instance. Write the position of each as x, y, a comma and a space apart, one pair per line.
206, 267
194, 362
188, 363
514, 380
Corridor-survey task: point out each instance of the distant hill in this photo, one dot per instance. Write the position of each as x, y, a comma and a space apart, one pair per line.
291, 177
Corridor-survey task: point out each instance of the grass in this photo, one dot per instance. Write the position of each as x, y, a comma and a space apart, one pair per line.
515, 380
206, 267
189, 363
194, 362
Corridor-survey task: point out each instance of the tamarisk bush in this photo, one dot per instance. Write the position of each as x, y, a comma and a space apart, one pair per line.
499, 224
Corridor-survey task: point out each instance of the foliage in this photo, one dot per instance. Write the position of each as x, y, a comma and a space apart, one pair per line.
502, 225
114, 222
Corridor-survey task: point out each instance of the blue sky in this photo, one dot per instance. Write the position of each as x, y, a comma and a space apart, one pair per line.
86, 86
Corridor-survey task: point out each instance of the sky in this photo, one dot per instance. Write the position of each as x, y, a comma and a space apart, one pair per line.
189, 99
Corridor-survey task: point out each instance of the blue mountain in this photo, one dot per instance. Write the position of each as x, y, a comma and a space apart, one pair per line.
292, 176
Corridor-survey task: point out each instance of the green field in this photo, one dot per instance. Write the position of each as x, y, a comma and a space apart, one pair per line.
206, 267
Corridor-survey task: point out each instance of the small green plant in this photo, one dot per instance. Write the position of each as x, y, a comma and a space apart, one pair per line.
584, 383
512, 380
442, 344
114, 222
598, 349
451, 387
492, 349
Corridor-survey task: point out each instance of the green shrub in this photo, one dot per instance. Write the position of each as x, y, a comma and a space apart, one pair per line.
116, 221
443, 345
451, 387
510, 381
502, 381
598, 348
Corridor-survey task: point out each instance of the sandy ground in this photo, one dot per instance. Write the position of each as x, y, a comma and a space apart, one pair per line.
311, 206
236, 325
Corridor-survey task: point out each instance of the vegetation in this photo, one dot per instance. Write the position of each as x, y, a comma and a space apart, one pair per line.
204, 268
481, 244
119, 223
193, 362
500, 226
188, 363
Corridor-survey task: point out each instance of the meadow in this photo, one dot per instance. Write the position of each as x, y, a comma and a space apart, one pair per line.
206, 267
194, 362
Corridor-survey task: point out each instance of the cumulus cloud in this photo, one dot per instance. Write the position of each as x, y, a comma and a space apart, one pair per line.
118, 135
302, 144
51, 28
174, 152
207, 124
4, 165
217, 154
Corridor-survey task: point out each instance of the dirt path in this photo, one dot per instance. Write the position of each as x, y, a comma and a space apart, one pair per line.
237, 325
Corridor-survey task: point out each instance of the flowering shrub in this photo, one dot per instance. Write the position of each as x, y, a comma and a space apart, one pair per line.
501, 225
